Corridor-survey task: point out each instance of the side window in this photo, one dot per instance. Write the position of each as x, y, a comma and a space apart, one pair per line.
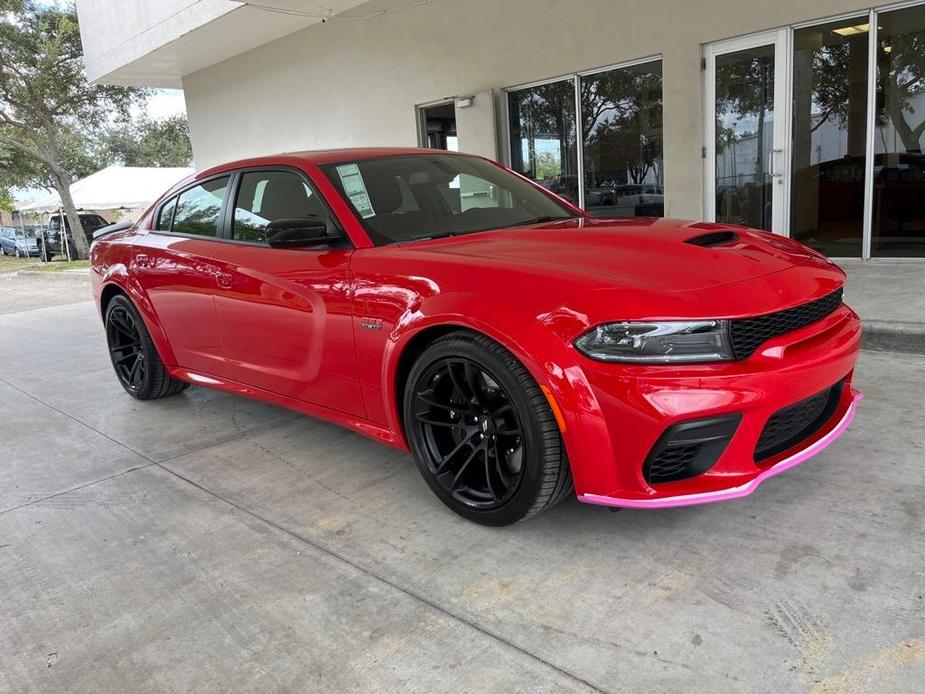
266, 197
199, 208
165, 216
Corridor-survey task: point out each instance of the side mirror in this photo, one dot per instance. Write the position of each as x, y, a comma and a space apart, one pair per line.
298, 232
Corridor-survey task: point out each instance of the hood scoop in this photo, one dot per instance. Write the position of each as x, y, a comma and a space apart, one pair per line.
714, 238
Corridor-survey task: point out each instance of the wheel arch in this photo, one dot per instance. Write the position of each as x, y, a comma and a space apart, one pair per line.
409, 347
121, 283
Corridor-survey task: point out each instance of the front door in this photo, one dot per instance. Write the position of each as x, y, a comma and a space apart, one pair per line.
285, 313
747, 148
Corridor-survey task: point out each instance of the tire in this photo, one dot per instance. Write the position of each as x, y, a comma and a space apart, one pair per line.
135, 359
482, 433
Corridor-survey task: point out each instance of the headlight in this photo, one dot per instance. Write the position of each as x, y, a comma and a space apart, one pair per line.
671, 342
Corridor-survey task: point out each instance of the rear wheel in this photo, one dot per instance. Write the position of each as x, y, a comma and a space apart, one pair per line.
135, 360
482, 432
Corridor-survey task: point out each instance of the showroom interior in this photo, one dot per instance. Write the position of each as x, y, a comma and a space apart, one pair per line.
804, 119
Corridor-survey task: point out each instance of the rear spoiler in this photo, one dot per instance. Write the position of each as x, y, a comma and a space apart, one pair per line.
111, 229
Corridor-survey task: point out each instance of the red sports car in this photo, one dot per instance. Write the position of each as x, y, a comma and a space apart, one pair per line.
518, 347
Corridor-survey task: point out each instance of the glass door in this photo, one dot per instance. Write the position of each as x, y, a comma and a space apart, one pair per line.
747, 138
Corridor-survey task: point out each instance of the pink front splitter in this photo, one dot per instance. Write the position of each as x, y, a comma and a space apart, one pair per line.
743, 489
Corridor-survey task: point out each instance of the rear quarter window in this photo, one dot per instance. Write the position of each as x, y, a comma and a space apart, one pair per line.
165, 215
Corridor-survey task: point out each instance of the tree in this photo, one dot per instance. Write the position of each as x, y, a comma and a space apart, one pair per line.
46, 100
149, 143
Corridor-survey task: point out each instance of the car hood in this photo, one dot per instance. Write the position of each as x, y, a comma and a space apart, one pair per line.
651, 254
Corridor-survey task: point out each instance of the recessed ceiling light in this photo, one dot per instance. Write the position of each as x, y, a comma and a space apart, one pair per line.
851, 31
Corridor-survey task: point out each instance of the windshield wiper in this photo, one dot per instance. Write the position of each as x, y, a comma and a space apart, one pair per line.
540, 220
428, 237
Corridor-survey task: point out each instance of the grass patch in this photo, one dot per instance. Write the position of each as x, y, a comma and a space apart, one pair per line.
58, 265
10, 262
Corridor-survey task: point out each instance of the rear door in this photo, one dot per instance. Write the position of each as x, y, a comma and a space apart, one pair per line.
285, 314
175, 267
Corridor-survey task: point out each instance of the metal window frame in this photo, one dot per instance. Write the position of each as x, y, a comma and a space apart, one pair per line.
871, 14
575, 78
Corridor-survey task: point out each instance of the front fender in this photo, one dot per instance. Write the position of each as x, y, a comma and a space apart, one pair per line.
552, 363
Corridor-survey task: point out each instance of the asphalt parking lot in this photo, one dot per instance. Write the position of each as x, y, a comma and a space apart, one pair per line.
211, 543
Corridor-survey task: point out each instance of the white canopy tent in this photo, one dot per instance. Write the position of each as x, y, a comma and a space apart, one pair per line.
114, 187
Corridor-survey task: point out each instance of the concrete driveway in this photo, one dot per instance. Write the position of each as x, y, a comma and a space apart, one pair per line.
209, 543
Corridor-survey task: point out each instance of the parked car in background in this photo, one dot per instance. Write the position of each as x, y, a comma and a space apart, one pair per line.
519, 351
18, 242
50, 240
89, 221
648, 199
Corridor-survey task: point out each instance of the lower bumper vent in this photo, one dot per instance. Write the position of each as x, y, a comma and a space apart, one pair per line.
688, 449
791, 425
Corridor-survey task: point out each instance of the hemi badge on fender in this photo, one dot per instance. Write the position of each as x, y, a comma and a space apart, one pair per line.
371, 323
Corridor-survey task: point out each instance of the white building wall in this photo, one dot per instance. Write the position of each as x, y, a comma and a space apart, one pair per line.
356, 82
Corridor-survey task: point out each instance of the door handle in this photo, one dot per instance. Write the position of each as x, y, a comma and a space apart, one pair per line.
142, 260
775, 173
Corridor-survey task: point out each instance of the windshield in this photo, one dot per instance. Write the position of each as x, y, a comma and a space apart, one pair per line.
412, 197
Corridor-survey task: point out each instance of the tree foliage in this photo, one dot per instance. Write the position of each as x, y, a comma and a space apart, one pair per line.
46, 102
148, 143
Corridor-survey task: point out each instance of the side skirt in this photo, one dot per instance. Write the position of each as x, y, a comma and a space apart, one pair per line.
352, 422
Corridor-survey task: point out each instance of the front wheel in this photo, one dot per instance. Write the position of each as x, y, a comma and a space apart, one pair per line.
482, 432
135, 360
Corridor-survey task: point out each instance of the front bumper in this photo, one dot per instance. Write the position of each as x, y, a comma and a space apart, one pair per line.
626, 409
737, 492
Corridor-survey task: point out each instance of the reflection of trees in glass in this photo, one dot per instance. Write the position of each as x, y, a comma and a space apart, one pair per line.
621, 114
744, 88
900, 79
198, 210
546, 112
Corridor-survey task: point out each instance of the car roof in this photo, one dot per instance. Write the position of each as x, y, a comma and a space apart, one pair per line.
324, 156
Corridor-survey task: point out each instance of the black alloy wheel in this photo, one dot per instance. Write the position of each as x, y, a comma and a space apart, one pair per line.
482, 432
473, 435
134, 356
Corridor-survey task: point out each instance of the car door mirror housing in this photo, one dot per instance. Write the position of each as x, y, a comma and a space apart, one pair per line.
298, 232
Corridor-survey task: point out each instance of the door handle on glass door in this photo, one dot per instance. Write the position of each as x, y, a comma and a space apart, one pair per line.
776, 172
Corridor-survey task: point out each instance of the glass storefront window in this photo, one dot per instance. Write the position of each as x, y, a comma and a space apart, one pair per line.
744, 136
898, 224
830, 63
543, 136
621, 119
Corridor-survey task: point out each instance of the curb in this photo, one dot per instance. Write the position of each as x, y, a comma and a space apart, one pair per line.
894, 336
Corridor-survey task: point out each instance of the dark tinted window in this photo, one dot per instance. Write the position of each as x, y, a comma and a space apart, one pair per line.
199, 208
405, 198
544, 145
265, 197
621, 127
93, 220
165, 216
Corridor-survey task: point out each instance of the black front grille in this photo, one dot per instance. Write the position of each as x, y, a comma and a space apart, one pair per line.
748, 334
791, 425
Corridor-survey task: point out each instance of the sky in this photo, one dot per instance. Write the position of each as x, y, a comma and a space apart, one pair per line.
165, 103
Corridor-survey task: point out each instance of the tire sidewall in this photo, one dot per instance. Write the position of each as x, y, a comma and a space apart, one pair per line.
519, 505
147, 346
